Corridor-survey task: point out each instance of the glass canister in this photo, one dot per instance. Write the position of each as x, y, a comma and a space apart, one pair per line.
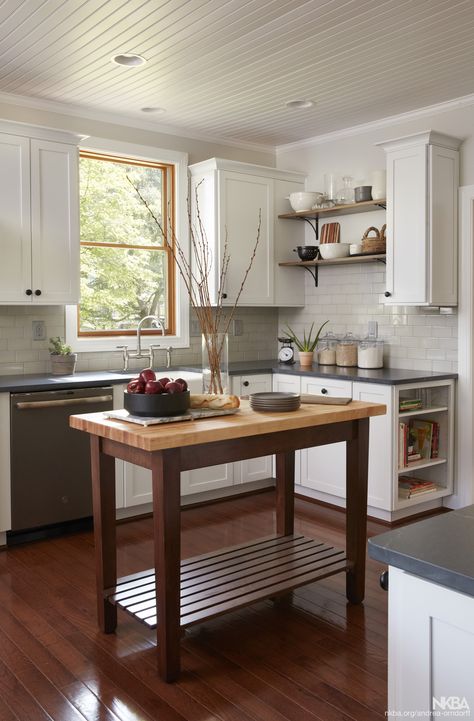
370, 353
346, 194
327, 350
346, 351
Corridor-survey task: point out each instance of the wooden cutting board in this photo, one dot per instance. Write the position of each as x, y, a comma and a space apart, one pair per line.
330, 233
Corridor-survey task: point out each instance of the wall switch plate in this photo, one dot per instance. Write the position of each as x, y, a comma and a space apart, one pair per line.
195, 329
373, 328
237, 327
39, 330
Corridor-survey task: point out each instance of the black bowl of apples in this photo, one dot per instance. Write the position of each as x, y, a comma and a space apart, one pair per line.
153, 397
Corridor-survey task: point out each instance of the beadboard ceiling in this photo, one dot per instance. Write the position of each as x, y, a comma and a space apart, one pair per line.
224, 68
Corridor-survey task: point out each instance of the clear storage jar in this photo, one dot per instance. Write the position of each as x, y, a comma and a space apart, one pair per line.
370, 353
346, 351
327, 350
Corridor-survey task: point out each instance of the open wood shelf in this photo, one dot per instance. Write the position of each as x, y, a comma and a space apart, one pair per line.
231, 578
350, 259
364, 207
440, 492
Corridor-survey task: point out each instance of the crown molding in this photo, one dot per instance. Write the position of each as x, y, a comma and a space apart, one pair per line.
80, 111
445, 107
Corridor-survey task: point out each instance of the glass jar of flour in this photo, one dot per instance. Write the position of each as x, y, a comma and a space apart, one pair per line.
370, 353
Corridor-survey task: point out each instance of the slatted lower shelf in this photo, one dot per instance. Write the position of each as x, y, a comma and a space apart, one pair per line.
230, 578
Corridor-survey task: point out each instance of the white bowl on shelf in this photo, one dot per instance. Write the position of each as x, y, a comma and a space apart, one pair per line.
329, 251
304, 200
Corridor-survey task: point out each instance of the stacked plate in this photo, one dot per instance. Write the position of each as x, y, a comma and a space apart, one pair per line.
275, 402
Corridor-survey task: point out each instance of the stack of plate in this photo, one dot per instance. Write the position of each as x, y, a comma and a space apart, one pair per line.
275, 401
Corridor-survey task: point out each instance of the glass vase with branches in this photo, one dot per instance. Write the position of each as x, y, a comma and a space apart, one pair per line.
195, 270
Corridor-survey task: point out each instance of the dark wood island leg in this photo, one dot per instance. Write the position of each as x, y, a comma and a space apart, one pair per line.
285, 493
103, 497
356, 510
167, 534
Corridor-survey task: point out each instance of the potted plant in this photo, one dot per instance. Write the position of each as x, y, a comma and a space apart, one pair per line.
63, 361
306, 344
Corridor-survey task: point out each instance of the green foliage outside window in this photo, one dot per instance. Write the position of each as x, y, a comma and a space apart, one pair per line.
123, 259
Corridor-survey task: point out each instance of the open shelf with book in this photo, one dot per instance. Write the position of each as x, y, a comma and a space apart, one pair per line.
423, 463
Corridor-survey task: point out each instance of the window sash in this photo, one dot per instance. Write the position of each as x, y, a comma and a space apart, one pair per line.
168, 214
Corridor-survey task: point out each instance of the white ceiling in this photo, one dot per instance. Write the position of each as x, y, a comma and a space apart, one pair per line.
225, 68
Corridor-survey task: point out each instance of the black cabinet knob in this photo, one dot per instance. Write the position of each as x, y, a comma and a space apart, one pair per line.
246, 384
29, 291
324, 391
383, 580
387, 294
224, 295
37, 292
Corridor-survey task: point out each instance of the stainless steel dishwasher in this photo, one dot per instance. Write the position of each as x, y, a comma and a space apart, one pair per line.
50, 462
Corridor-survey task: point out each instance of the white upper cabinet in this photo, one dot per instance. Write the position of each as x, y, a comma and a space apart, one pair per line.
422, 208
39, 217
232, 196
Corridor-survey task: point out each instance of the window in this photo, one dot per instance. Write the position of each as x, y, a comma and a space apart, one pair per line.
126, 268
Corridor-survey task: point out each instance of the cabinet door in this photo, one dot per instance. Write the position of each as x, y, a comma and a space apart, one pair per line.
289, 283
407, 226
431, 641
241, 199
289, 384
137, 486
381, 476
323, 468
207, 479
15, 230
252, 469
54, 222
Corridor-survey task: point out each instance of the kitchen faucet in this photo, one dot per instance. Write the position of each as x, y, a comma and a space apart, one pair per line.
150, 354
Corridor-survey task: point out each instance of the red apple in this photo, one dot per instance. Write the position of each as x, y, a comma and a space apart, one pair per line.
153, 387
136, 386
182, 383
164, 381
172, 387
147, 374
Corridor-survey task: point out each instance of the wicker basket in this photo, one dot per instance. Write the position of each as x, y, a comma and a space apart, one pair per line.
375, 244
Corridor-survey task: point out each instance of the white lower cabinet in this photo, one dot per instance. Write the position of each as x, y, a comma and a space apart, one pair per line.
252, 469
323, 468
289, 384
430, 651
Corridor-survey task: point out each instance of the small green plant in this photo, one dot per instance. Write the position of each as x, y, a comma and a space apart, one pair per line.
57, 347
307, 343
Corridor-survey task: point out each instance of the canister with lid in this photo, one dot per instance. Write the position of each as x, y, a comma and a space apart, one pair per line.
346, 351
370, 353
327, 350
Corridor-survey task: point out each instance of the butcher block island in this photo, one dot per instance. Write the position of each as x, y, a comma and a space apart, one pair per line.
179, 593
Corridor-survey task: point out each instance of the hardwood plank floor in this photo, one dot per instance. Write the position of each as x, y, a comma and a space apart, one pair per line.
316, 659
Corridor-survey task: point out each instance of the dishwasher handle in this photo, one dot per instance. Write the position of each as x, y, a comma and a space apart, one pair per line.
29, 405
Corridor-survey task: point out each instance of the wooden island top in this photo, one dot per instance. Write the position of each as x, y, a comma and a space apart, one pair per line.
178, 593
244, 424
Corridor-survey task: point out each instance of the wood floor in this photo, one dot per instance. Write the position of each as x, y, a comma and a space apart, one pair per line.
315, 659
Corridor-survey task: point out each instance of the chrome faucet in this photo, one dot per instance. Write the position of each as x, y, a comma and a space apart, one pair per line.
150, 354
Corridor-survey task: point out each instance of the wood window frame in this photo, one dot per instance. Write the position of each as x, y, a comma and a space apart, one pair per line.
168, 212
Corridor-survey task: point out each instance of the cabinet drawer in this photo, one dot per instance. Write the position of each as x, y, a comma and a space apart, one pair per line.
258, 383
329, 387
286, 383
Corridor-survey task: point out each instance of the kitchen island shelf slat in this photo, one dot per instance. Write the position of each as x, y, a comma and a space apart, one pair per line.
219, 582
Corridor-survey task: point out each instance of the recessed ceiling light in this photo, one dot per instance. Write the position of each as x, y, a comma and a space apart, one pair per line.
129, 60
157, 111
300, 103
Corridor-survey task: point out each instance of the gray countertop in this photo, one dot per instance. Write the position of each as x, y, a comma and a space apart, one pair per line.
439, 549
385, 376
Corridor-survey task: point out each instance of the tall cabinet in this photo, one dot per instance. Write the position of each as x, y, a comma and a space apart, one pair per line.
233, 198
39, 216
422, 209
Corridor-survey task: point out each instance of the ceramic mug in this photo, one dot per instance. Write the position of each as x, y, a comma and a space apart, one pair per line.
355, 248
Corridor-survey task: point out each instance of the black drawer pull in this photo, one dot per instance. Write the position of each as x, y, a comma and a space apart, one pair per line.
246, 384
383, 580
387, 294
29, 291
37, 292
324, 391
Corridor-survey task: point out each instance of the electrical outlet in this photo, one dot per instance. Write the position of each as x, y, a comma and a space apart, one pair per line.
237, 327
373, 328
39, 330
195, 329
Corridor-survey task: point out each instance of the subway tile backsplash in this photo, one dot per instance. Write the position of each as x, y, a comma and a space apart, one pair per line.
415, 338
19, 353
